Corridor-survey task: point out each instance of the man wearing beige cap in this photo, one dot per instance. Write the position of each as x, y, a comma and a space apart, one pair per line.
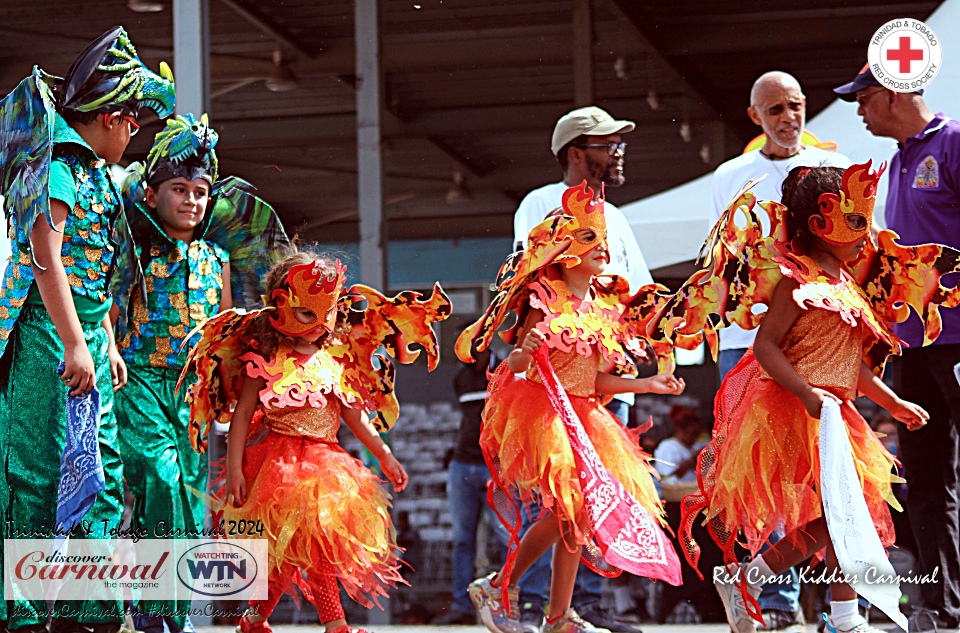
588, 145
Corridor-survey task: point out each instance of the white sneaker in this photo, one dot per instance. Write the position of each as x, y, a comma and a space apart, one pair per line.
859, 625
486, 598
726, 580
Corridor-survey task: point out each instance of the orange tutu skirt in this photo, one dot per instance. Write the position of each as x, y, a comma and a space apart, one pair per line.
760, 474
321, 509
527, 449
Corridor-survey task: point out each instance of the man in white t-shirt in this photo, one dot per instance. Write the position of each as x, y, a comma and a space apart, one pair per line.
778, 106
588, 145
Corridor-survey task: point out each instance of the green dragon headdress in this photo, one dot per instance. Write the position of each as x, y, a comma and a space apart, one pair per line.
184, 148
108, 76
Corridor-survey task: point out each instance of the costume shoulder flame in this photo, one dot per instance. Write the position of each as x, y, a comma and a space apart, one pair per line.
363, 380
616, 321
741, 267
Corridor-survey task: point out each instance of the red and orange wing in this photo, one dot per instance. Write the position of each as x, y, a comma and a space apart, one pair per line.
738, 273
545, 245
894, 277
395, 324
215, 360
640, 309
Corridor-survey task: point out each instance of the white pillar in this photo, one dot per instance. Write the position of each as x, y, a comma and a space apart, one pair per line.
191, 55
369, 150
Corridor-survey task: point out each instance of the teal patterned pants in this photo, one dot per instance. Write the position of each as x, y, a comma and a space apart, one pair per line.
163, 472
32, 431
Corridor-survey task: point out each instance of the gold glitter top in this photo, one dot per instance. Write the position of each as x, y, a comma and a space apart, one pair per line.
825, 350
577, 374
318, 423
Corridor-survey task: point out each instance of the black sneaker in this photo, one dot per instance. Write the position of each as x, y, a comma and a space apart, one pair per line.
924, 620
599, 618
531, 617
455, 617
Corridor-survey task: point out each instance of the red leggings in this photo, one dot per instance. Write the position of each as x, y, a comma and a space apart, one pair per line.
323, 585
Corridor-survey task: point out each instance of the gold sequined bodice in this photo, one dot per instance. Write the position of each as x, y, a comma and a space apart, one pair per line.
318, 423
577, 374
826, 351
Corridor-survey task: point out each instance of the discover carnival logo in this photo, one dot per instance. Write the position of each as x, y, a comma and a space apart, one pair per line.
905, 55
148, 569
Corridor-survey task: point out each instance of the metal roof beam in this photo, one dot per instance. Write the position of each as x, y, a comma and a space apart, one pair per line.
252, 15
629, 10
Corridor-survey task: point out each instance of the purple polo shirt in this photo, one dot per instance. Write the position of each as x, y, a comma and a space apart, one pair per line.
923, 206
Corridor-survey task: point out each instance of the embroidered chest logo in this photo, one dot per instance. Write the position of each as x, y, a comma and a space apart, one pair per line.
928, 174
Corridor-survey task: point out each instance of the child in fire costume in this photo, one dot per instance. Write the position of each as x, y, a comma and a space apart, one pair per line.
789, 446
294, 369
63, 209
547, 437
194, 238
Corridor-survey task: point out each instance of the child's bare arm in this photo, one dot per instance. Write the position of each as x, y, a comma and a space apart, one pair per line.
237, 439
913, 415
662, 383
226, 295
530, 341
368, 436
778, 320
118, 368
79, 373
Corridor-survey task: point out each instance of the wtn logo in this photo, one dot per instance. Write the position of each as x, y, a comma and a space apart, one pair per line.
224, 568
204, 569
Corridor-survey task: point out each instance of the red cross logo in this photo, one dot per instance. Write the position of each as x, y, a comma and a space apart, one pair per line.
905, 55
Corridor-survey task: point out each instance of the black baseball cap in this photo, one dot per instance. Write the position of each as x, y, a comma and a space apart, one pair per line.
863, 80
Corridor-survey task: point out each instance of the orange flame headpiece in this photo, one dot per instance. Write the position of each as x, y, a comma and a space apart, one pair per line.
578, 202
316, 287
848, 216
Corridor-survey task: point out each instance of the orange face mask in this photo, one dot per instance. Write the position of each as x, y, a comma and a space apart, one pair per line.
578, 202
848, 216
316, 287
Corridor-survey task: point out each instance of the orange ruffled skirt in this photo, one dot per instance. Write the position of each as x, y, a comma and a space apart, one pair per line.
526, 447
761, 471
321, 509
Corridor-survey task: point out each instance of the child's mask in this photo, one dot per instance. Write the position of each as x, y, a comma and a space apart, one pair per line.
315, 286
848, 216
578, 202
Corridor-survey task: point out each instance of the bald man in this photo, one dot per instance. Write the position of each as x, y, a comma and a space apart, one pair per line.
778, 106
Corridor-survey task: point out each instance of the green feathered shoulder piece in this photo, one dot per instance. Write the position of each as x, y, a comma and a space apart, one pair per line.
27, 117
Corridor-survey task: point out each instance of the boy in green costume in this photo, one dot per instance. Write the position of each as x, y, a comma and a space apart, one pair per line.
63, 209
182, 280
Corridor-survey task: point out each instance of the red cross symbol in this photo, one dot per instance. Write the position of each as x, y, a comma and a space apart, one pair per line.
905, 55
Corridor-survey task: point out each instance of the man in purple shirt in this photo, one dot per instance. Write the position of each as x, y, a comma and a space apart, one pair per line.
923, 205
